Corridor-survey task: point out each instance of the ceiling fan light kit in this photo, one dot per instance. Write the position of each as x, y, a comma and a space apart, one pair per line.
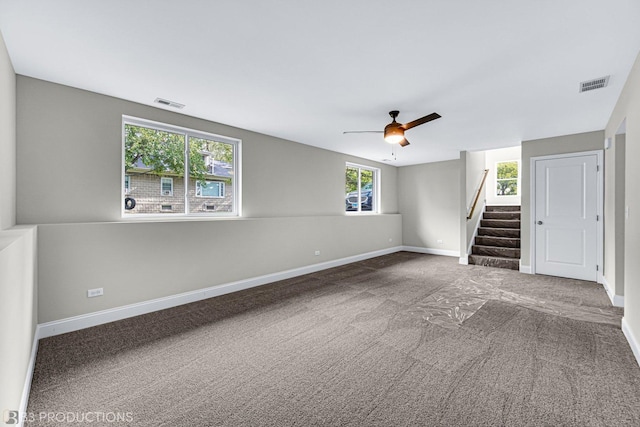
393, 134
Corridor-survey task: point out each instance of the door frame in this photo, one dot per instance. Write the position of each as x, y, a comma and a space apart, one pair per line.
599, 203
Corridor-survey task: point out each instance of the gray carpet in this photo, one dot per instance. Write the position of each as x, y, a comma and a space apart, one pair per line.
400, 340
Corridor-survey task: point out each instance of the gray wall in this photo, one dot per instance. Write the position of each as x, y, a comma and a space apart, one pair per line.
628, 107
543, 147
293, 204
7, 140
17, 256
428, 197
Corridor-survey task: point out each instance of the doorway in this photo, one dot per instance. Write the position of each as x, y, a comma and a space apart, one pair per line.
567, 203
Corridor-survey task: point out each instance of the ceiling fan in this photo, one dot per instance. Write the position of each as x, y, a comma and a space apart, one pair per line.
394, 131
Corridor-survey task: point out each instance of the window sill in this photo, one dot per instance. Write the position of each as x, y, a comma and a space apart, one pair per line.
355, 213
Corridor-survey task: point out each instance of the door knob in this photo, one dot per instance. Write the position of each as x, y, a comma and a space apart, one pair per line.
539, 222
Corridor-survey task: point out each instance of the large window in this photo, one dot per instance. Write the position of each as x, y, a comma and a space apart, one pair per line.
361, 187
507, 178
172, 170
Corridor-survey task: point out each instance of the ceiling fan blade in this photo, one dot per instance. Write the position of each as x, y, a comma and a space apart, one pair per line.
363, 131
404, 142
421, 121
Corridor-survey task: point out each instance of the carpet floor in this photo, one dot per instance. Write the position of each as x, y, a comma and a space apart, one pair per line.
400, 340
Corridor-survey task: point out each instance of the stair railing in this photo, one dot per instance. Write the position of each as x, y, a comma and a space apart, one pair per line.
475, 199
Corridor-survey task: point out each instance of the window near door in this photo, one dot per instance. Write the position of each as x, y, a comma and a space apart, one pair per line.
507, 178
361, 188
168, 170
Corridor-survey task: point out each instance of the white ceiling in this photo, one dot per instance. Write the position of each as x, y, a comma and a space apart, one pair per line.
498, 71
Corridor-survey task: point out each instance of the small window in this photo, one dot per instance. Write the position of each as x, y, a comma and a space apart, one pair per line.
166, 186
361, 187
127, 184
507, 178
210, 189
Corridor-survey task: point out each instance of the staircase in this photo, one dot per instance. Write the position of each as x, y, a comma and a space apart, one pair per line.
498, 241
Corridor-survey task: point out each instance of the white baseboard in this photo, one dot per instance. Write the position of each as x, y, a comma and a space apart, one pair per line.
431, 251
26, 389
83, 321
464, 260
526, 269
616, 300
633, 343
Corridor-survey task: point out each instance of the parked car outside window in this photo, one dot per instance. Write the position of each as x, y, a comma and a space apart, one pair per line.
366, 198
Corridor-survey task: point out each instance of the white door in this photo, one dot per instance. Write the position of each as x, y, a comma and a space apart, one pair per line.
566, 233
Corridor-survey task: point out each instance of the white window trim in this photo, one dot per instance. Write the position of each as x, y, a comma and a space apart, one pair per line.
164, 179
223, 188
237, 168
375, 208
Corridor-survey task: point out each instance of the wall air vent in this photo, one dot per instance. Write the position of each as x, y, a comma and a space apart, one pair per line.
594, 84
169, 103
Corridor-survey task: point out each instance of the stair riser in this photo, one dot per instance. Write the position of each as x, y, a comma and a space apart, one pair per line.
500, 223
495, 251
499, 232
501, 215
498, 241
502, 208
511, 264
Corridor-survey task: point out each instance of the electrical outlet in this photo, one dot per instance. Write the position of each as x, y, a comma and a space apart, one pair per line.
390, 239
97, 292
439, 241
317, 253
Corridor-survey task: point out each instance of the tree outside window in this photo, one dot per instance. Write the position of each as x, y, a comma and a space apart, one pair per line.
507, 178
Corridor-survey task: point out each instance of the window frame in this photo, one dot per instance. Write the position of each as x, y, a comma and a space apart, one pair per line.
236, 182
376, 179
518, 186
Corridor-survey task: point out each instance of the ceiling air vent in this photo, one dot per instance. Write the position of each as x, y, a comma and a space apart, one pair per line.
169, 103
594, 84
